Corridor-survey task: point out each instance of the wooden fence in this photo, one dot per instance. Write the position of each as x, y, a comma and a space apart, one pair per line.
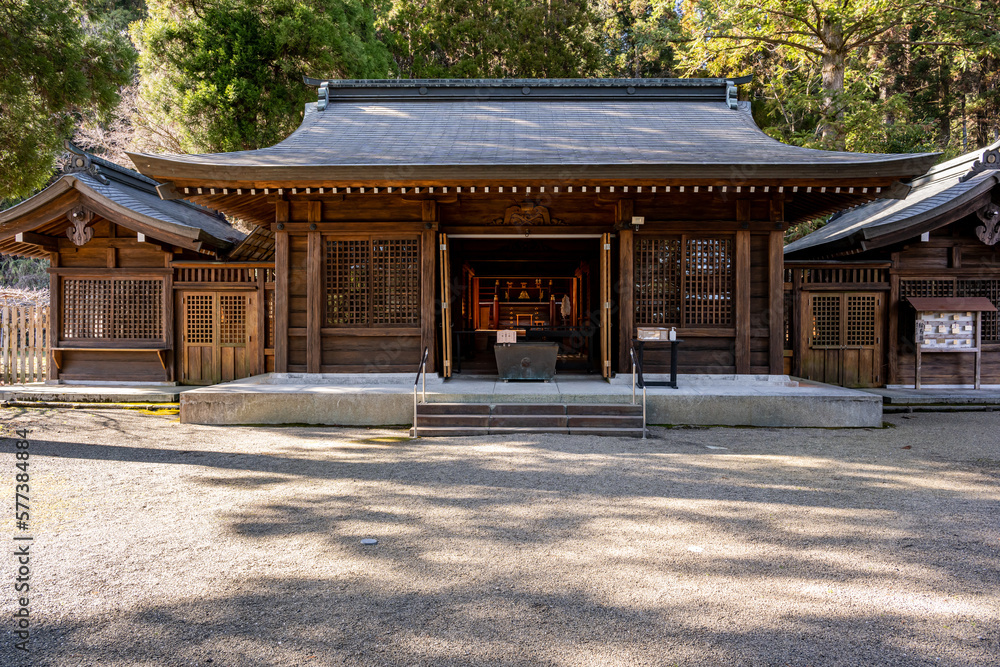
23, 343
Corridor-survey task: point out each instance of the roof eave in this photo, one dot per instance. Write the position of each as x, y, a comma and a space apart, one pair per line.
163, 168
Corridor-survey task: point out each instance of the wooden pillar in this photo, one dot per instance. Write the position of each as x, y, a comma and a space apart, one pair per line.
741, 291
281, 277
893, 334
428, 253
54, 332
314, 293
261, 330
169, 324
798, 349
776, 284
626, 283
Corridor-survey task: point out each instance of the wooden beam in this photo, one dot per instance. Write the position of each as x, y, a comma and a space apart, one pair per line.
741, 293
892, 346
626, 291
314, 301
428, 266
54, 333
798, 349
49, 243
281, 277
776, 284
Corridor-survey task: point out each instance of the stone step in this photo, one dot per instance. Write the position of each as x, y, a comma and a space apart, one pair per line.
434, 420
523, 421
453, 409
604, 409
462, 419
529, 409
605, 421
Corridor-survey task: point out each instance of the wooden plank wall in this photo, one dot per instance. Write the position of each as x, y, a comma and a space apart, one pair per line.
24, 333
952, 253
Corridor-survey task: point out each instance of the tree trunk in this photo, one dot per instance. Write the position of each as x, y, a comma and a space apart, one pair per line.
833, 63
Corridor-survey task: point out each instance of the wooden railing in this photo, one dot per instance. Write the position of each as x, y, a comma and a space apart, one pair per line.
23, 343
842, 275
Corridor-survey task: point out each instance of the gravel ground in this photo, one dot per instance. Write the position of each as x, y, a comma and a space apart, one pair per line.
159, 543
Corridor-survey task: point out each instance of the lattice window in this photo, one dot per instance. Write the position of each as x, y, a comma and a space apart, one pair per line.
989, 289
112, 309
347, 282
825, 321
200, 312
657, 282
943, 288
232, 319
373, 282
861, 319
395, 282
708, 282
269, 322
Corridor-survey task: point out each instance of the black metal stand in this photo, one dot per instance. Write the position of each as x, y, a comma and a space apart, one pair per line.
640, 344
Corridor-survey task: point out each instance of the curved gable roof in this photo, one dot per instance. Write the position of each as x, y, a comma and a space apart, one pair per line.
463, 130
941, 196
127, 198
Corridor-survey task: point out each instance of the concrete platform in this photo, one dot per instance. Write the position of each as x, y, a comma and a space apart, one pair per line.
103, 393
701, 400
939, 396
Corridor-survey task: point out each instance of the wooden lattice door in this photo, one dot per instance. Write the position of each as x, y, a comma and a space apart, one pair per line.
843, 338
218, 336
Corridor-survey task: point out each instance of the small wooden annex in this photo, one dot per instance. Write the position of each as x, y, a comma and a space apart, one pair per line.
431, 214
124, 264
851, 284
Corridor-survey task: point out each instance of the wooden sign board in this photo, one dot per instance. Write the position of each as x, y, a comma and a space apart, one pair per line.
507, 336
946, 331
652, 333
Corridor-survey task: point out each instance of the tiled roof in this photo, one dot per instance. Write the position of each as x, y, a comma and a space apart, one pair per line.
256, 247
941, 190
136, 194
389, 131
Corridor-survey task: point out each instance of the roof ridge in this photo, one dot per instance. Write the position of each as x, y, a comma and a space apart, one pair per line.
514, 83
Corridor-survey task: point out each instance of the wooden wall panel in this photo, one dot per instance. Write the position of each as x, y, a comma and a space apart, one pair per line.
120, 366
370, 354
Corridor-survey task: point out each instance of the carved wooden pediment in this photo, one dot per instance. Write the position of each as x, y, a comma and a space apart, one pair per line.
78, 231
527, 215
989, 231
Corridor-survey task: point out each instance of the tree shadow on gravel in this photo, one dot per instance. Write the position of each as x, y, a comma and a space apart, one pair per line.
271, 621
469, 530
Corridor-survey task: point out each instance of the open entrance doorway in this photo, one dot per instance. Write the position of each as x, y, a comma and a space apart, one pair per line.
544, 288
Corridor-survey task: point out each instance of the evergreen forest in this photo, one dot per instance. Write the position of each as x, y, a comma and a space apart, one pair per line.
224, 75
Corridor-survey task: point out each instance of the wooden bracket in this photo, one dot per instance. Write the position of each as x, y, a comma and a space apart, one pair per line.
47, 242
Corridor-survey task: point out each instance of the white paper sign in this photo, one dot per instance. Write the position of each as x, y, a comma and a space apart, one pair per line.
507, 336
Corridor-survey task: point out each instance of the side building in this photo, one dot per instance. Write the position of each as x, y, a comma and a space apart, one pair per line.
857, 287
140, 289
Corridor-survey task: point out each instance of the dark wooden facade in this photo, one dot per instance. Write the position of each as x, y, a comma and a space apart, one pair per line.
386, 221
939, 242
658, 200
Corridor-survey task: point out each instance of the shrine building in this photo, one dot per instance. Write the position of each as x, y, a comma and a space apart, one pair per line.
405, 215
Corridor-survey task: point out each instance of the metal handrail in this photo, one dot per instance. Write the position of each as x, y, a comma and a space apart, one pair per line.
421, 373
637, 377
